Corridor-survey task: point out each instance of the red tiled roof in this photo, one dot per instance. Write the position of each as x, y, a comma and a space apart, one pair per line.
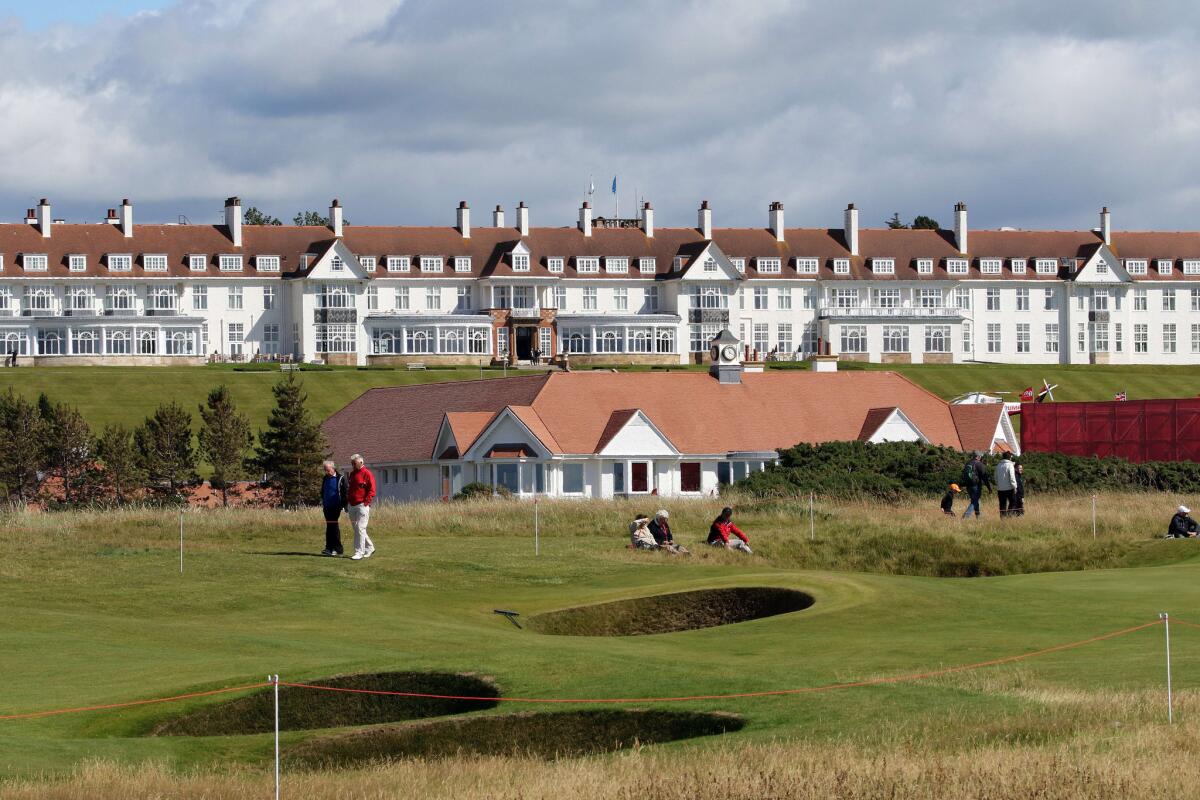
872, 422
616, 421
976, 424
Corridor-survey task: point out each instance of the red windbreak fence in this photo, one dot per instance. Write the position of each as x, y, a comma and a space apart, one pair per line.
1137, 430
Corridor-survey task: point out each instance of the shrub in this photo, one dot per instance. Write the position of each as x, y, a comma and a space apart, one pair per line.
476, 489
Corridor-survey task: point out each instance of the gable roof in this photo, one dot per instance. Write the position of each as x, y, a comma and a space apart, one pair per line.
616, 421
874, 421
976, 424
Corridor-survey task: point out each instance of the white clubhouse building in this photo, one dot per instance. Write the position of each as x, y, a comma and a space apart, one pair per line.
601, 291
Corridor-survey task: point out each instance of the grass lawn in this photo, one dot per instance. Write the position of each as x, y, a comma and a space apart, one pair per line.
96, 611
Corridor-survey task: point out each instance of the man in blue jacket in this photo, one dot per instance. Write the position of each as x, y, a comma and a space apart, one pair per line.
333, 501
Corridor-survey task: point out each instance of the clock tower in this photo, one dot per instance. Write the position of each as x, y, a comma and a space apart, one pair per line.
725, 354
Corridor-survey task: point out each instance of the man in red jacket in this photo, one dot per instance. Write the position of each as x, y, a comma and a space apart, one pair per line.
359, 494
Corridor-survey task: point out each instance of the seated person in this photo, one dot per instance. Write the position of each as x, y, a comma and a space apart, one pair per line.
948, 499
639, 534
1182, 526
722, 527
660, 529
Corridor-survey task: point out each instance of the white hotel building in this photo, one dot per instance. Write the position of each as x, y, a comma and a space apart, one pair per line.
600, 291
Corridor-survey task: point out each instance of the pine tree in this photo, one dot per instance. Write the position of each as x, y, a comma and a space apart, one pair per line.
164, 442
225, 439
22, 447
291, 449
69, 447
894, 222
120, 462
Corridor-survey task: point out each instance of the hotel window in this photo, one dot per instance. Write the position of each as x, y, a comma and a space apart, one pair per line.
463, 263
1191, 267
197, 262
270, 340
590, 295
650, 306
854, 338
431, 263
119, 263
266, 263
1165, 265
572, 478
895, 338
464, 301
962, 298
234, 336
808, 298
401, 298
555, 264
783, 338
1099, 300
1022, 299
1118, 338
1195, 338
235, 298
269, 297
1168, 337
587, 265
710, 264
886, 298
1140, 302
1136, 266
990, 266
761, 301
621, 298
1081, 337
1168, 299
762, 341
367, 263
77, 263
647, 266
200, 298
929, 298
372, 298
967, 339
924, 266
937, 338
1051, 337
993, 299
768, 266
841, 266
957, 266
1046, 266
520, 262
433, 298
1101, 267
784, 296
1051, 299
806, 266
1099, 337
398, 263
1018, 266
739, 264
1195, 299
993, 337
689, 476
230, 263
559, 294
1141, 338
1022, 337
883, 266
845, 298
618, 266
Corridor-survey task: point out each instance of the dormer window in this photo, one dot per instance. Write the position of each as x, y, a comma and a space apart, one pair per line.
990, 266
957, 266
883, 266
677, 264
197, 262
1018, 266
710, 264
154, 263
120, 263
1136, 266
431, 263
647, 266
587, 265
267, 263
616, 266
1046, 266
841, 266
807, 266
35, 262
520, 262
739, 264
1191, 266
398, 263
924, 266
367, 263
768, 266
1165, 266
229, 263
336, 264
77, 263
555, 264
462, 263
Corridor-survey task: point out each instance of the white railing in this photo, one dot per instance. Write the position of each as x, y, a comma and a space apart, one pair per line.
889, 312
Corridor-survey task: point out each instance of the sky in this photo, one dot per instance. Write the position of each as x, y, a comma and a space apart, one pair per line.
1035, 114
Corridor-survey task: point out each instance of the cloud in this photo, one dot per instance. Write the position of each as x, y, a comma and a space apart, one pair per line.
1035, 114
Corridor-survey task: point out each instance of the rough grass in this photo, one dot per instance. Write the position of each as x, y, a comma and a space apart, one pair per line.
665, 613
558, 734
308, 709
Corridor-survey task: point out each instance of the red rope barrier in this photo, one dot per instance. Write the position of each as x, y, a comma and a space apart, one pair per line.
1184, 622
35, 714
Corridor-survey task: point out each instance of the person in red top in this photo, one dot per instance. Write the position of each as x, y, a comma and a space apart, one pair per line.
722, 527
359, 494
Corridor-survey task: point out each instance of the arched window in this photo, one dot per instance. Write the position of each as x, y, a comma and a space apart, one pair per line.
147, 343
478, 341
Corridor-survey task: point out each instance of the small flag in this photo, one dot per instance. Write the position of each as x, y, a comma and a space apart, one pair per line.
614, 184
591, 186
1027, 395
1121, 396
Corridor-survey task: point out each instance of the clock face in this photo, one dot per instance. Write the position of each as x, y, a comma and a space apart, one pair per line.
729, 353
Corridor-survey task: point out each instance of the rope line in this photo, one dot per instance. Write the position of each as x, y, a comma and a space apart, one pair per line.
54, 712
1184, 622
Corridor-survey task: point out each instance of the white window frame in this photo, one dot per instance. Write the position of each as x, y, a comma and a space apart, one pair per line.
807, 266
1022, 295
431, 264
1136, 266
235, 298
924, 266
463, 263
587, 265
368, 263
399, 263
957, 266
739, 264
1191, 266
267, 263
616, 265
119, 262
77, 262
1045, 266
1165, 266
991, 266
883, 266
1017, 265
768, 266
197, 262
647, 266
841, 266
783, 298
520, 262
555, 264
229, 262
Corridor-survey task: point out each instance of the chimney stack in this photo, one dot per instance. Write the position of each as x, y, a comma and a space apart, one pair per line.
960, 227
233, 220
498, 217
775, 216
31, 216
464, 219
43, 217
126, 219
850, 229
112, 217
522, 218
648, 219
585, 218
335, 217
704, 220
1106, 225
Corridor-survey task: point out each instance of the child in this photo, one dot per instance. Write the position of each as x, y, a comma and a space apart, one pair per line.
948, 499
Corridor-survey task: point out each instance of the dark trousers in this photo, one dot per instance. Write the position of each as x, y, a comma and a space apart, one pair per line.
1007, 500
333, 531
974, 492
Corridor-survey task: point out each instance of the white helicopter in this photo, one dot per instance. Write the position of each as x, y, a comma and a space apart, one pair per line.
1011, 406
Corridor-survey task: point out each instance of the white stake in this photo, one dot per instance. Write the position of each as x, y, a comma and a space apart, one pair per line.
537, 548
1166, 618
812, 525
180, 541
1093, 517
274, 679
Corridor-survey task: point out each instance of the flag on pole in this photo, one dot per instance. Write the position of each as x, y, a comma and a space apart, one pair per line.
591, 186
1121, 396
1027, 395
614, 184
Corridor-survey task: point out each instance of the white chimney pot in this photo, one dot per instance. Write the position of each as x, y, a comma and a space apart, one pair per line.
704, 220
127, 219
585, 218
648, 220
850, 229
233, 220
43, 216
522, 218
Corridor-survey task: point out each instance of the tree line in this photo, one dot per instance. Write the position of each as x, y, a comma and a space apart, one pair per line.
49, 453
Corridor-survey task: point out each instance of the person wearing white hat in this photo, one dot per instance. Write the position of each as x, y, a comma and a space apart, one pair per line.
1182, 525
660, 528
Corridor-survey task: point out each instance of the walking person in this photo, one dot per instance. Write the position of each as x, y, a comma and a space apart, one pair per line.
974, 476
333, 501
720, 530
1006, 483
359, 494
1017, 508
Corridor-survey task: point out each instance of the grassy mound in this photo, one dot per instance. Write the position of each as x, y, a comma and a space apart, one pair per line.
306, 709
666, 613
538, 734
